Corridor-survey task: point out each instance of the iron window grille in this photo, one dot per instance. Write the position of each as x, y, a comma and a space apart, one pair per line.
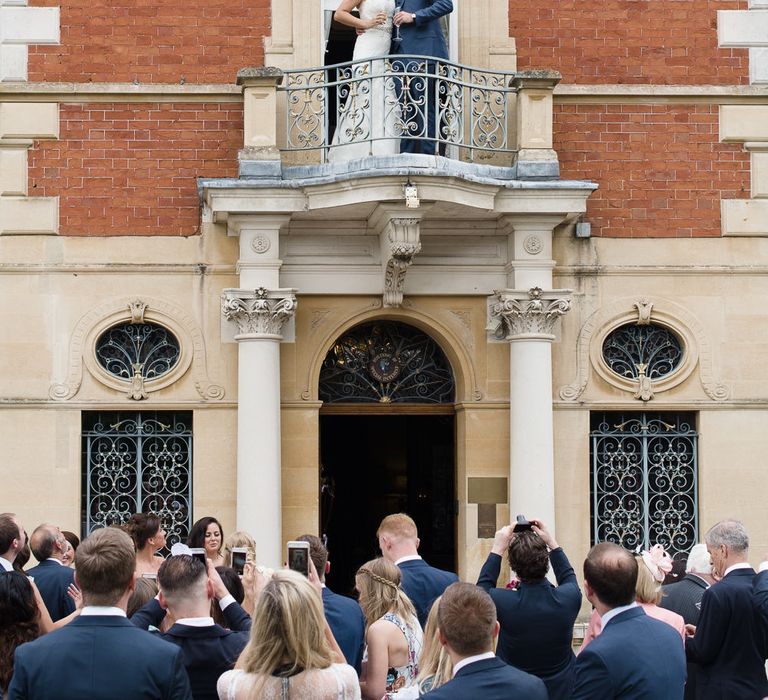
650, 349
644, 481
146, 349
386, 362
137, 462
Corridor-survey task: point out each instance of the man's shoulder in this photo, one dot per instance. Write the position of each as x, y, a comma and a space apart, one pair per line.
639, 630
338, 601
507, 679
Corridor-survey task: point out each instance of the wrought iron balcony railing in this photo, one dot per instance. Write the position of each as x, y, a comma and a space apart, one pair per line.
368, 107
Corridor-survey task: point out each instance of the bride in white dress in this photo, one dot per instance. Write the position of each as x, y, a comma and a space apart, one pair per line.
368, 106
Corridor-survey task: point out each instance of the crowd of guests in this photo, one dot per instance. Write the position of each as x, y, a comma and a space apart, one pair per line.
110, 618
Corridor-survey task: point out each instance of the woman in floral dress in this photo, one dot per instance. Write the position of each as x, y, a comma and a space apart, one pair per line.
393, 636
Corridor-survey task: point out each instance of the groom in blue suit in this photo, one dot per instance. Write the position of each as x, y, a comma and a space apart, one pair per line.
421, 35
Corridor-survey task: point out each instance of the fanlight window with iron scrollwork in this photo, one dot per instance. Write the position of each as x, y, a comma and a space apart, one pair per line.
644, 480
137, 462
146, 349
649, 350
386, 362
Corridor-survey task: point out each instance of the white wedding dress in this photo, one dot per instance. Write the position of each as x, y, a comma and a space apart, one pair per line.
369, 113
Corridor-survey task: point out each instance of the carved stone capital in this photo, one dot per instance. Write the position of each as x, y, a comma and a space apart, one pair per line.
401, 243
259, 313
529, 314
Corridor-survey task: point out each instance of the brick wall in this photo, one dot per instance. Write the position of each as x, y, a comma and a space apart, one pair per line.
661, 169
197, 41
131, 169
627, 41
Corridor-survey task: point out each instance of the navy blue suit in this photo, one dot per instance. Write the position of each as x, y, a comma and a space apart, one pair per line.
490, 679
423, 37
99, 658
635, 657
761, 594
730, 642
52, 580
423, 583
550, 611
207, 651
347, 622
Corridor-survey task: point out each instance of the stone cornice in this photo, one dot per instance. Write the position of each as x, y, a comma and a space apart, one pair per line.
529, 314
260, 314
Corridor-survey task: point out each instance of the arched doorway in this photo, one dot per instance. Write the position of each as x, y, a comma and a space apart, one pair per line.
387, 434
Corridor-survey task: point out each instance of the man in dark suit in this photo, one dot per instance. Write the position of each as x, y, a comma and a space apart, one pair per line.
187, 591
684, 598
51, 576
421, 35
535, 605
467, 627
399, 544
344, 615
100, 655
729, 643
12, 540
635, 657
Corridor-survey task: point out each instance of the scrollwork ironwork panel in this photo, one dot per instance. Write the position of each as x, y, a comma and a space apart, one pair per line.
644, 480
386, 362
138, 462
146, 349
650, 349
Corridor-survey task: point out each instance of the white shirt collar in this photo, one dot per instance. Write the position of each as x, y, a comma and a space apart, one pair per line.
471, 659
410, 557
764, 566
102, 611
616, 611
740, 565
7, 566
61, 563
196, 621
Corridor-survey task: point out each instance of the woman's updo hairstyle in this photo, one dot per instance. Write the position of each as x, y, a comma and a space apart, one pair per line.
142, 526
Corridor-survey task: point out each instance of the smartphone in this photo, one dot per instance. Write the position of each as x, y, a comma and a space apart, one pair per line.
199, 553
298, 557
239, 557
522, 524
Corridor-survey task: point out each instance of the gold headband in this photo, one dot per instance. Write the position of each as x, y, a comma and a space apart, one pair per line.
378, 578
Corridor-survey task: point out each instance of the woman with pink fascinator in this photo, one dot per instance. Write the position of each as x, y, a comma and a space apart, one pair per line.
652, 566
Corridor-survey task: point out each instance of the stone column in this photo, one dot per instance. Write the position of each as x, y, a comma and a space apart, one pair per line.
260, 316
527, 319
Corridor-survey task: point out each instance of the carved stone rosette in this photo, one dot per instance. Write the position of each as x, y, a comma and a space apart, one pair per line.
259, 313
530, 314
402, 245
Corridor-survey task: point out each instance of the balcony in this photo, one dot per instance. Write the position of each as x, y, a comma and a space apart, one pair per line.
352, 116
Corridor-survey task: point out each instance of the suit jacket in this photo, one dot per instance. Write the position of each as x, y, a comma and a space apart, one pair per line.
347, 622
549, 610
99, 658
423, 583
730, 642
490, 679
424, 37
684, 597
52, 580
152, 614
636, 657
761, 594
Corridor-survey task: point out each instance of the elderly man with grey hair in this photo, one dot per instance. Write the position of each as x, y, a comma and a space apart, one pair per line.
729, 642
684, 598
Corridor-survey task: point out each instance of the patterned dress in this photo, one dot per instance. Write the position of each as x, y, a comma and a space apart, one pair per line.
403, 676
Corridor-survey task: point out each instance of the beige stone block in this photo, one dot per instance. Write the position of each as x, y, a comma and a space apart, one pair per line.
13, 168
744, 217
34, 120
759, 174
742, 29
25, 215
744, 122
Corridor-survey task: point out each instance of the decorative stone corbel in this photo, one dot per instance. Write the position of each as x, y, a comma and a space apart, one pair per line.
644, 308
644, 386
530, 314
137, 391
400, 244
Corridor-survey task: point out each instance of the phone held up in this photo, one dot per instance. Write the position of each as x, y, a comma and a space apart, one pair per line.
198, 553
239, 557
298, 557
522, 524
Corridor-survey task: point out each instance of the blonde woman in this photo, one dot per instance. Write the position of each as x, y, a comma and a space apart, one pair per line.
240, 538
291, 654
393, 635
652, 566
435, 666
